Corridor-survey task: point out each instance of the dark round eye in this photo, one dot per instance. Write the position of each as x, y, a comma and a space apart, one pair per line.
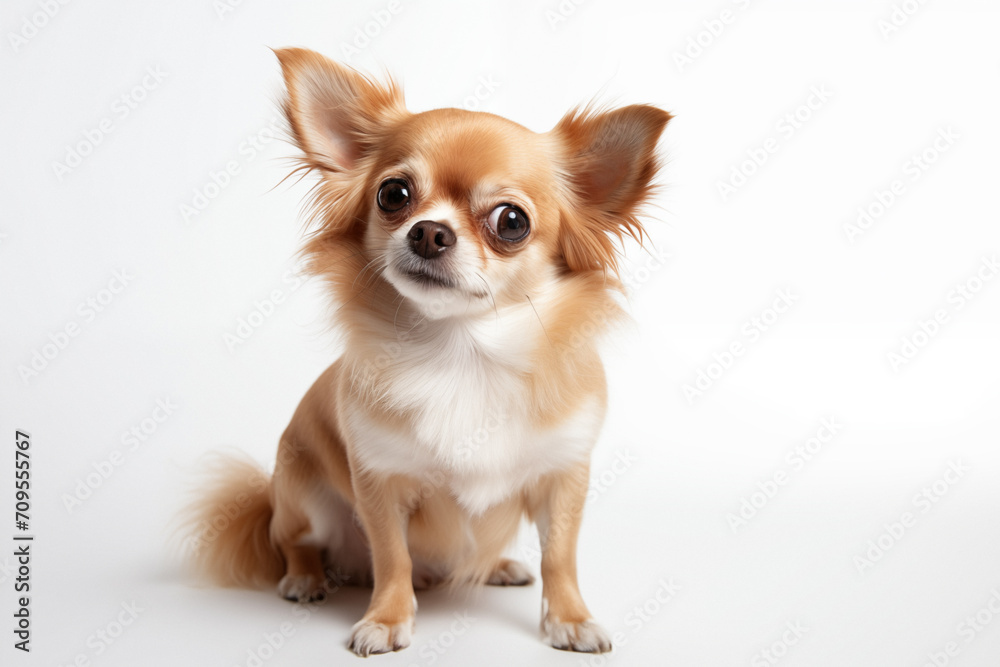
393, 195
508, 222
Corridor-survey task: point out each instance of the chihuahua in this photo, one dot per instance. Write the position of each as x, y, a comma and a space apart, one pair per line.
474, 266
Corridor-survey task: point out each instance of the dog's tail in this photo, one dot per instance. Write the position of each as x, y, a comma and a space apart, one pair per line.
228, 526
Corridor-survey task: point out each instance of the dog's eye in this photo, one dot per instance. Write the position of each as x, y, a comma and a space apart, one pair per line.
393, 195
508, 222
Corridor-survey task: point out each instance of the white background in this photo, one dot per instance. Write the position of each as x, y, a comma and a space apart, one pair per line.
663, 513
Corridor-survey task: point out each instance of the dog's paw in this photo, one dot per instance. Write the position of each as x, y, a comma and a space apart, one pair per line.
585, 637
510, 573
369, 637
302, 588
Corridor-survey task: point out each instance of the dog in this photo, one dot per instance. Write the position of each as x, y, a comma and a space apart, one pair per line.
474, 265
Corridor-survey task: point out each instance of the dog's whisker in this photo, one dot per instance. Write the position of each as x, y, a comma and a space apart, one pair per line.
539, 319
489, 292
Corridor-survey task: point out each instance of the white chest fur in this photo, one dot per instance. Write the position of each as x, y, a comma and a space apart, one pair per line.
463, 387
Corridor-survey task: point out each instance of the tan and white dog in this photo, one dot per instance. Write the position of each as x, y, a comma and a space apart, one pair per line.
474, 265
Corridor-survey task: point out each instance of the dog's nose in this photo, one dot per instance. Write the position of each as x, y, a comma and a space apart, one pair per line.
430, 239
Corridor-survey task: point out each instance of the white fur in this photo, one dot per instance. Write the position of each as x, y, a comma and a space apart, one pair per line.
301, 587
335, 528
369, 637
462, 382
461, 263
586, 637
514, 574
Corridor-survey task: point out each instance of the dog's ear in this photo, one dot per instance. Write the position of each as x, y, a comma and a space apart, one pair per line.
335, 112
609, 161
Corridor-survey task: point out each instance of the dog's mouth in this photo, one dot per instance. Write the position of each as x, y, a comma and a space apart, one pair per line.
431, 276
428, 278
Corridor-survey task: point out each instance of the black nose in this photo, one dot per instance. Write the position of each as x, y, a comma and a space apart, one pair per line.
429, 239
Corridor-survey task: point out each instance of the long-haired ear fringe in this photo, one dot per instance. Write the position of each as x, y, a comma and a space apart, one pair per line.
609, 166
335, 115
334, 111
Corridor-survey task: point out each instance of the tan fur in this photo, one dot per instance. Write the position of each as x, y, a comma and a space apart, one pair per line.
229, 525
582, 185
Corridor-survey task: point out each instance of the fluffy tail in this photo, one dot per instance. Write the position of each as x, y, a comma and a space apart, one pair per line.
228, 525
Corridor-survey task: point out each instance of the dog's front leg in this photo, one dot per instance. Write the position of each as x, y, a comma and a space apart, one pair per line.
566, 622
388, 623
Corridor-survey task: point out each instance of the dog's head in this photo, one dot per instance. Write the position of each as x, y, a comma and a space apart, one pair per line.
458, 211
